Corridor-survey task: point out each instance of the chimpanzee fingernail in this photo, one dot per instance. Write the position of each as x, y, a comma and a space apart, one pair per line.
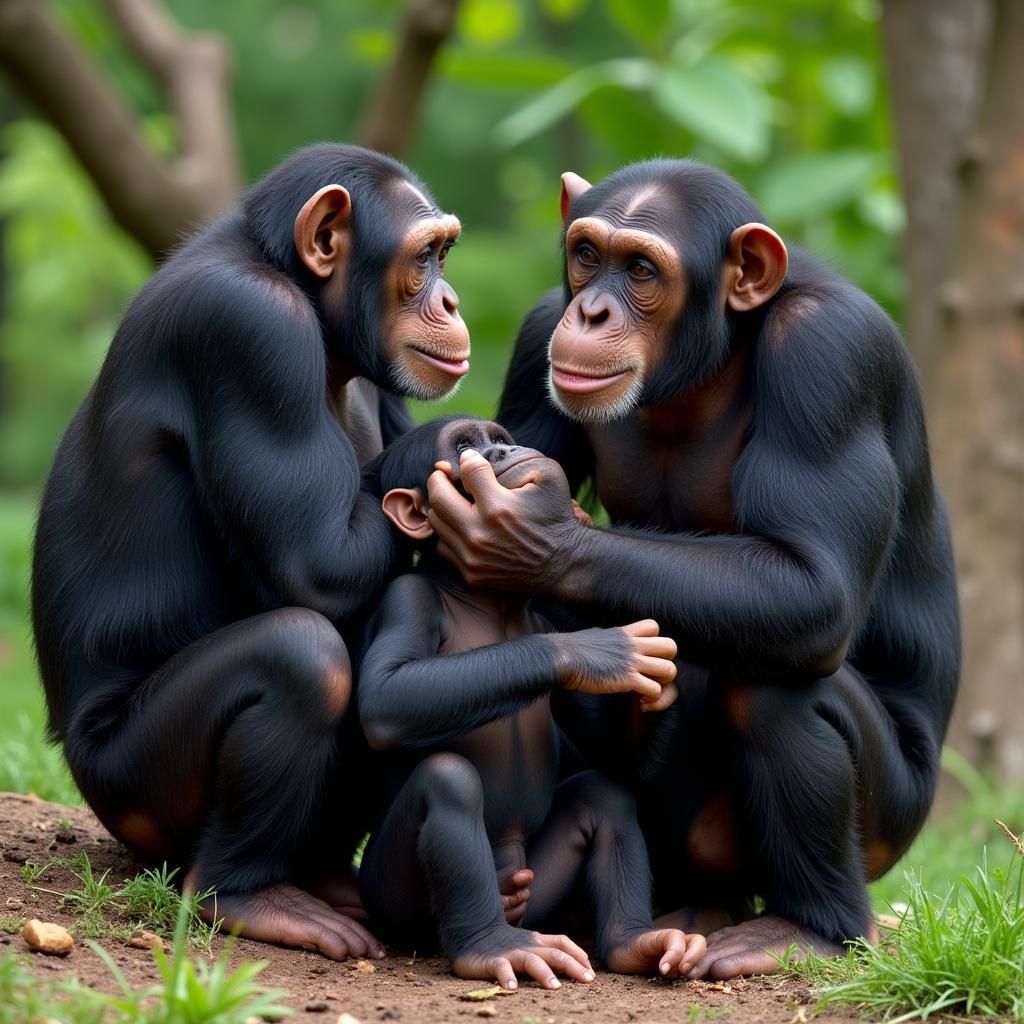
588, 975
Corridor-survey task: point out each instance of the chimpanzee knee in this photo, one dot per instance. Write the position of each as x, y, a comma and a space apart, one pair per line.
453, 782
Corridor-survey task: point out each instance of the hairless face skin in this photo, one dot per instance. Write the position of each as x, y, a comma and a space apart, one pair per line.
752, 426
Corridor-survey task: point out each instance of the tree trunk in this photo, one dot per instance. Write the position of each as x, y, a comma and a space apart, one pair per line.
975, 372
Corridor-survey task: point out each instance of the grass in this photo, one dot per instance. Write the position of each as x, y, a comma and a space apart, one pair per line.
149, 901
958, 953
189, 991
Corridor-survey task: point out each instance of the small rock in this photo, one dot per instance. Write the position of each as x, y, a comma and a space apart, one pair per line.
146, 940
14, 904
365, 966
66, 836
15, 856
390, 1013
410, 976
317, 1007
44, 937
487, 1011
347, 1018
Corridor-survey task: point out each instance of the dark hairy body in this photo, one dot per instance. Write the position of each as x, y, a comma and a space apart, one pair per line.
753, 426
454, 690
203, 542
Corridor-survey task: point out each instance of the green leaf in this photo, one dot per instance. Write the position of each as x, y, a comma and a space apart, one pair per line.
718, 105
503, 70
556, 103
849, 83
645, 22
563, 10
490, 23
804, 187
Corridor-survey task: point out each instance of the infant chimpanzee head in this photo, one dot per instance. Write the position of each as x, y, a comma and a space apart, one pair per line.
398, 475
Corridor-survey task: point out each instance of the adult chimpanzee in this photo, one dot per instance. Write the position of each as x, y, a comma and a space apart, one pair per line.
456, 684
203, 538
753, 426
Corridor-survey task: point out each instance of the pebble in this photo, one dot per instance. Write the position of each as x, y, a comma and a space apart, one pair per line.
365, 967
44, 937
317, 1007
146, 940
487, 1011
347, 1018
14, 904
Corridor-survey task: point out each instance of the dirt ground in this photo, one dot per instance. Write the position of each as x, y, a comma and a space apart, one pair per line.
400, 988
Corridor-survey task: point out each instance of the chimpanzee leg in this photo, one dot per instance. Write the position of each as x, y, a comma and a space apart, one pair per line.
218, 760
831, 786
592, 832
431, 858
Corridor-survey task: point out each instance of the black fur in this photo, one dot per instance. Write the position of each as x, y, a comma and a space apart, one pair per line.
829, 607
203, 537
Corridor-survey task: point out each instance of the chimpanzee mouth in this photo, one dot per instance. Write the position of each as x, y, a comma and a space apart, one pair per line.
582, 383
457, 367
516, 459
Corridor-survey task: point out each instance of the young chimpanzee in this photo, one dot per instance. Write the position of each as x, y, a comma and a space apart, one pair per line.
202, 537
455, 683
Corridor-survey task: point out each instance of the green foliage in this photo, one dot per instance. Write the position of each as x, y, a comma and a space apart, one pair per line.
149, 900
189, 991
958, 954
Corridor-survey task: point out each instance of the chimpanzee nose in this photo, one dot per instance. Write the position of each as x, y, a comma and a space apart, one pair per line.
498, 453
594, 309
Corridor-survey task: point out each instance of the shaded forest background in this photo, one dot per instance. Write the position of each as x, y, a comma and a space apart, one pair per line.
887, 137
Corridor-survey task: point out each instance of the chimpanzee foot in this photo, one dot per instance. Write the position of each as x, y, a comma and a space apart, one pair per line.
515, 894
289, 916
702, 920
341, 893
752, 947
665, 951
507, 951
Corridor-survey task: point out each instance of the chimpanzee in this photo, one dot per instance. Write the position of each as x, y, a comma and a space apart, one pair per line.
203, 537
455, 684
752, 425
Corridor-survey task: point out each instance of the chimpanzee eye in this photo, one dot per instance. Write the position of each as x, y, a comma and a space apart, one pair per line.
423, 256
587, 255
641, 270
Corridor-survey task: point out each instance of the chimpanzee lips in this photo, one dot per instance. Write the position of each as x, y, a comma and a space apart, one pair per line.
457, 366
516, 459
573, 381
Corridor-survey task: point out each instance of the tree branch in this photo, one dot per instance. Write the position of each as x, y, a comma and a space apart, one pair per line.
155, 201
391, 116
194, 71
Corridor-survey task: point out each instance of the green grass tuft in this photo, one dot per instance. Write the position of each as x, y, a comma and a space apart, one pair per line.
958, 954
190, 991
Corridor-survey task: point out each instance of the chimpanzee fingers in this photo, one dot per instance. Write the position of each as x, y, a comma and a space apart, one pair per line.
655, 668
669, 693
445, 501
447, 537
566, 945
648, 689
696, 948
445, 467
503, 972
535, 966
645, 627
565, 964
478, 479
358, 940
656, 646
674, 951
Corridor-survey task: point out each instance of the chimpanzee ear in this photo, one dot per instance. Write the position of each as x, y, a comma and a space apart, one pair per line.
573, 186
755, 266
322, 230
406, 508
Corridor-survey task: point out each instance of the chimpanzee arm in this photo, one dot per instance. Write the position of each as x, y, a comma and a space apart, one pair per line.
410, 696
278, 474
817, 495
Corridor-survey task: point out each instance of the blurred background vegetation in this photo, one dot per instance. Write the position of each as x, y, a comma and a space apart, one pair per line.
790, 97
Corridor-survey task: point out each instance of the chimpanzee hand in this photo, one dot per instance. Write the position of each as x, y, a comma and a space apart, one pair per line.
515, 533
630, 659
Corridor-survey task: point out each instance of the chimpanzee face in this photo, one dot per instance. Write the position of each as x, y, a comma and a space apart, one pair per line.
426, 339
492, 441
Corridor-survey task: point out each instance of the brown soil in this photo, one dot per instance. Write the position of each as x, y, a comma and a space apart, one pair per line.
400, 988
